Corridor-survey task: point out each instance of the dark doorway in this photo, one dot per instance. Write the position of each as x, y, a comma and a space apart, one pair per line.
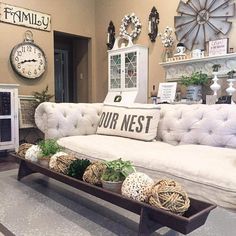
71, 68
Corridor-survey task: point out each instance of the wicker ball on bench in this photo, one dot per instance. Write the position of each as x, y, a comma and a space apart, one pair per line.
169, 195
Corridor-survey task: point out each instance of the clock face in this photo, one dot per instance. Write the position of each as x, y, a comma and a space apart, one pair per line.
28, 60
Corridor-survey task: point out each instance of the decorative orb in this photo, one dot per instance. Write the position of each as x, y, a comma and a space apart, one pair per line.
169, 195
23, 148
53, 159
137, 186
62, 163
94, 172
33, 153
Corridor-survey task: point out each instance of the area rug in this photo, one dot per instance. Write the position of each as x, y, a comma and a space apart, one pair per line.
40, 206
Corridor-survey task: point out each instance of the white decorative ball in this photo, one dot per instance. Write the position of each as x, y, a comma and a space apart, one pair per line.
53, 159
33, 153
137, 186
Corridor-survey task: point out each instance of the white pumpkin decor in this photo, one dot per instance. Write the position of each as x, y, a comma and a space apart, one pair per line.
137, 186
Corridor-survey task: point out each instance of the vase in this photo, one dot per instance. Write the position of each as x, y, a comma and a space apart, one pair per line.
167, 54
112, 186
194, 93
44, 161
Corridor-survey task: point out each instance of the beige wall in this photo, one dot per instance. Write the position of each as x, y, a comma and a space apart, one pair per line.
115, 10
88, 18
71, 16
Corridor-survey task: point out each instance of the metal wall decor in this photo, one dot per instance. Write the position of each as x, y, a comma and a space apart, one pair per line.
110, 35
202, 20
153, 22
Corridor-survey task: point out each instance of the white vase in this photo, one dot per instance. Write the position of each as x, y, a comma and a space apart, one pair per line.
215, 86
230, 90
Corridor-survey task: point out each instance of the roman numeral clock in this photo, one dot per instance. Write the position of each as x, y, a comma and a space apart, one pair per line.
201, 21
28, 59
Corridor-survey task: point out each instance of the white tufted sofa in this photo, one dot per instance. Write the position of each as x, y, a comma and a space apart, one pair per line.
195, 144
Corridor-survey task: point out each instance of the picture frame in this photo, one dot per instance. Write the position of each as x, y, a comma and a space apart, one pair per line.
167, 91
218, 47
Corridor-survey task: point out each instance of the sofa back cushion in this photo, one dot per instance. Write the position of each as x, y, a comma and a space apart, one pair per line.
213, 125
136, 121
58, 120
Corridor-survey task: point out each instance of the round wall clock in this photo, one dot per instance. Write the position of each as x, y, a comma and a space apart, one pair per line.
202, 20
28, 59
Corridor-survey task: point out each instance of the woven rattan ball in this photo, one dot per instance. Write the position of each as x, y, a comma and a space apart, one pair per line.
169, 195
137, 186
53, 159
94, 172
62, 163
23, 148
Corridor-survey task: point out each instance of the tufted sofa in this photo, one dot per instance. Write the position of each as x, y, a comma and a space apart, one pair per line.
195, 144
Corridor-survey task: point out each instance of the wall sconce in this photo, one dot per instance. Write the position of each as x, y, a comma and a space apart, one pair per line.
110, 35
153, 22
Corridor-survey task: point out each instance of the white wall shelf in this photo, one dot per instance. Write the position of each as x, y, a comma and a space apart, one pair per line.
175, 69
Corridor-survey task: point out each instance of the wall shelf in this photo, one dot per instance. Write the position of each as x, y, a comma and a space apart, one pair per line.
175, 69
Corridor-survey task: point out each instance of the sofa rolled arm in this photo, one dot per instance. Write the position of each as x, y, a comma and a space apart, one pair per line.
58, 120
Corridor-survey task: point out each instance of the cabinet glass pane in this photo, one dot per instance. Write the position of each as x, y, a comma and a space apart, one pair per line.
5, 103
131, 70
115, 71
5, 130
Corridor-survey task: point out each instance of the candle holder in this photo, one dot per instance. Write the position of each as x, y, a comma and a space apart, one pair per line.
153, 22
110, 35
215, 86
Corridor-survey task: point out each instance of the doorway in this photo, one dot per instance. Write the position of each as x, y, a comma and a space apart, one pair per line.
71, 68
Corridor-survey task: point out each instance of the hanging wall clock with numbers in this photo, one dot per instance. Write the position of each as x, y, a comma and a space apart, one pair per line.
28, 59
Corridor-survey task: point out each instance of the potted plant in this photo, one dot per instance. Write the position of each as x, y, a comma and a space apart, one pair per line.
48, 148
194, 84
115, 174
77, 168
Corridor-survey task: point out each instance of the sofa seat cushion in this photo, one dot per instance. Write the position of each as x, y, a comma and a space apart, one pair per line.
208, 173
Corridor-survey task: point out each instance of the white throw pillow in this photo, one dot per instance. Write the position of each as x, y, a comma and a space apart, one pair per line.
137, 121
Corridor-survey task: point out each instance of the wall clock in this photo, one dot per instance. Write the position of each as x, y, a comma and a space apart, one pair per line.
202, 20
28, 59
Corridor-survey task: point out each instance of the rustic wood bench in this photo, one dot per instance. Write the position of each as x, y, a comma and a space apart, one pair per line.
151, 218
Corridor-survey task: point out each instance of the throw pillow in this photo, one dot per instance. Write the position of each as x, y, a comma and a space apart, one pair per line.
138, 122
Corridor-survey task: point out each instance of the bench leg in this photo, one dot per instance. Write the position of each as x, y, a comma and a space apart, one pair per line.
146, 225
24, 170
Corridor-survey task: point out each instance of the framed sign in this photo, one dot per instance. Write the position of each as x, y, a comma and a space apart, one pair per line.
218, 47
167, 91
25, 17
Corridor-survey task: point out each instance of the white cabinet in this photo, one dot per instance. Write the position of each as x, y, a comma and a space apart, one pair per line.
128, 74
9, 128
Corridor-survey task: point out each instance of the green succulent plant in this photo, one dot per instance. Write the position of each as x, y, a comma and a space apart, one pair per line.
49, 147
117, 170
196, 78
77, 168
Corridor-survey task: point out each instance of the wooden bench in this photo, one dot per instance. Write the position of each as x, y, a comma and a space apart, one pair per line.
151, 218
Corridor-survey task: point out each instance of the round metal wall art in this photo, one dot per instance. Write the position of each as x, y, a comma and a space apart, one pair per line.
130, 19
201, 21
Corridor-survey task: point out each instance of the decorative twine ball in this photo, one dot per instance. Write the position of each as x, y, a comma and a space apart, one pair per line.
23, 148
33, 153
137, 186
62, 163
169, 195
93, 173
53, 159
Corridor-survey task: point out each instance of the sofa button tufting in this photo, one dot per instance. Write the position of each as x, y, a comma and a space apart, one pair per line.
189, 129
58, 126
210, 132
75, 126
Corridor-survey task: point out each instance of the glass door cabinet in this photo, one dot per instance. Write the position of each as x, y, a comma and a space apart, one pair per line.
127, 74
9, 128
